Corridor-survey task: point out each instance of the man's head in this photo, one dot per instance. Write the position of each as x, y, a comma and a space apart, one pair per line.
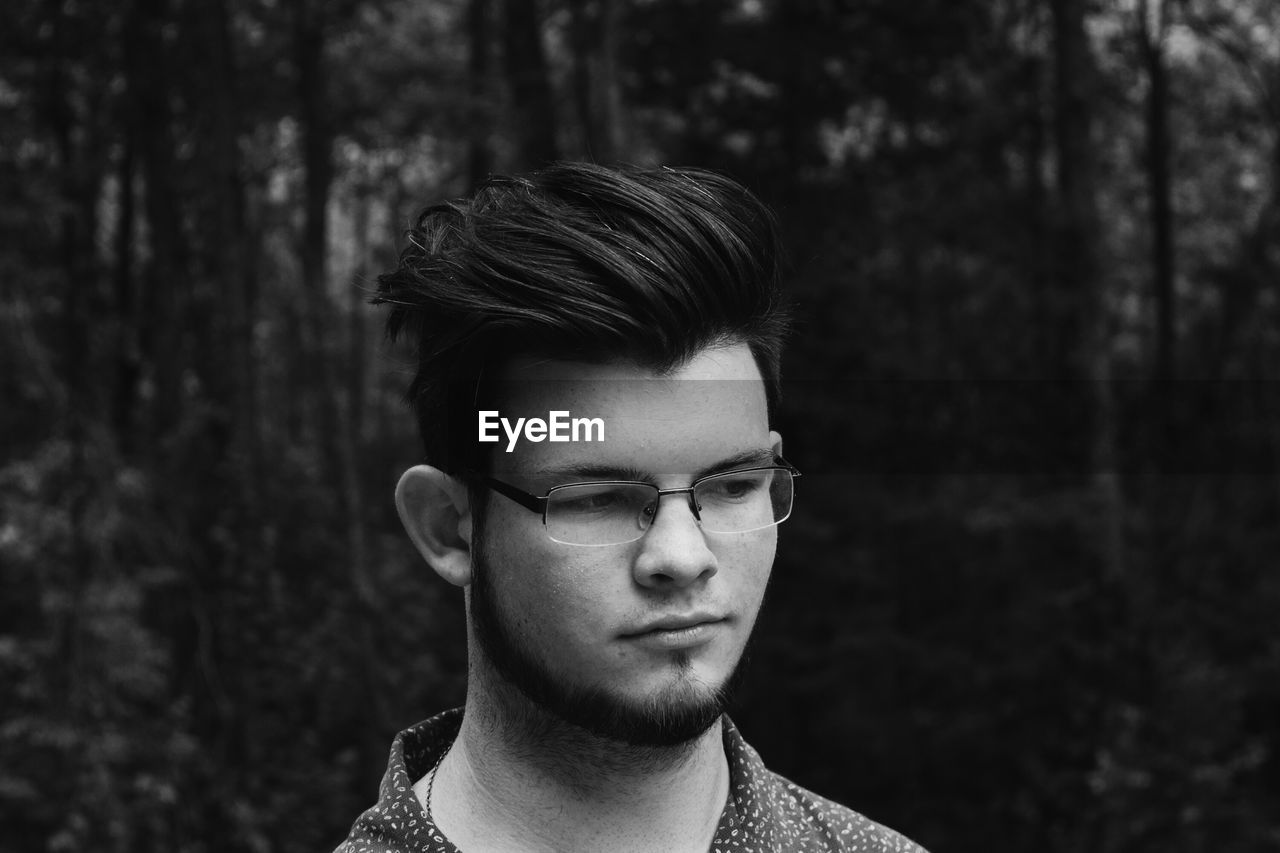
579, 262
648, 300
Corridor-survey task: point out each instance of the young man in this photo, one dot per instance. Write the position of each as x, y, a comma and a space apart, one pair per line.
598, 358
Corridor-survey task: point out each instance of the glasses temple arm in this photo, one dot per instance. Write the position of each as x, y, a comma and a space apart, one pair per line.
782, 463
533, 503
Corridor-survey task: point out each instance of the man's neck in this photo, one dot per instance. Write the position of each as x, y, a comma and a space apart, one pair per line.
537, 783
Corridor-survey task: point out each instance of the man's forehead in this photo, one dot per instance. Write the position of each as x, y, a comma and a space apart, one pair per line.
713, 376
710, 409
659, 398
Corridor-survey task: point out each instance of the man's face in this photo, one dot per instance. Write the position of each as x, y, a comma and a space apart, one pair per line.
636, 641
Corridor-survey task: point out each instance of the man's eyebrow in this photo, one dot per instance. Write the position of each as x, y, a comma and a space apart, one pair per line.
745, 459
588, 472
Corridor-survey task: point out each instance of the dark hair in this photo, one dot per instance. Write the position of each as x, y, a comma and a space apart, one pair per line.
581, 262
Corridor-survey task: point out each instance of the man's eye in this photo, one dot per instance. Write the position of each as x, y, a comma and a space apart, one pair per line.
734, 488
592, 502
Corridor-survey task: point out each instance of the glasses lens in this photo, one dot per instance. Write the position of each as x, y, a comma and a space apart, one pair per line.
599, 513
739, 501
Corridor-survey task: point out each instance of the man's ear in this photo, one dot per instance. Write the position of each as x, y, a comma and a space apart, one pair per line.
775, 441
436, 512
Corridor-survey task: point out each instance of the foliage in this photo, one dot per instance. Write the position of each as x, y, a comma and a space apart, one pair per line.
1027, 599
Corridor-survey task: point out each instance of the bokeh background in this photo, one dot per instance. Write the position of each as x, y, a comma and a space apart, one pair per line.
1029, 598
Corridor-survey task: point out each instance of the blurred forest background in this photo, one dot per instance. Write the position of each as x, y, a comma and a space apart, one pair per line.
1025, 601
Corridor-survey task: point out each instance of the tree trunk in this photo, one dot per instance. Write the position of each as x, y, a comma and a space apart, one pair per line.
1081, 270
1082, 284
316, 311
128, 367
1035, 74
614, 133
163, 294
336, 431
479, 68
233, 271
1151, 33
528, 84
1158, 181
597, 93
76, 229
357, 345
582, 31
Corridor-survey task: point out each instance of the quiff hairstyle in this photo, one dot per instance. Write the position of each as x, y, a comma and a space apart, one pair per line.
579, 262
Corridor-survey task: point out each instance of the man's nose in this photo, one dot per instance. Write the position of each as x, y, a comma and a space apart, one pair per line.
673, 551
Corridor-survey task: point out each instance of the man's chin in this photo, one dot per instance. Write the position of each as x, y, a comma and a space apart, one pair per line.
670, 716
676, 711
673, 713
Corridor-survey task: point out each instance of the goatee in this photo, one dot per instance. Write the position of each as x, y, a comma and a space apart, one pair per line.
669, 717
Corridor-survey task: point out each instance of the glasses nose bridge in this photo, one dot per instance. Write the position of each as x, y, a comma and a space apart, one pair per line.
661, 493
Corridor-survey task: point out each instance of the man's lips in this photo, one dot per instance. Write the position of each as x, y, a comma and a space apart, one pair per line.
668, 624
674, 633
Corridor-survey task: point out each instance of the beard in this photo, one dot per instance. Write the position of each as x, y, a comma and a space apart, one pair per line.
671, 716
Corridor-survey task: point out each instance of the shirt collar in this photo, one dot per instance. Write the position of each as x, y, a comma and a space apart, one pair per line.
398, 818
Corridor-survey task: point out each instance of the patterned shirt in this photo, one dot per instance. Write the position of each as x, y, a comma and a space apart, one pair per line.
764, 811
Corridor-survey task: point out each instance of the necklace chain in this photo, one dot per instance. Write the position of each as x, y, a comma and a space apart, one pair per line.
431, 780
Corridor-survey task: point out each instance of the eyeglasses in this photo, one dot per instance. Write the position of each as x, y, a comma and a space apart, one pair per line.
616, 512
